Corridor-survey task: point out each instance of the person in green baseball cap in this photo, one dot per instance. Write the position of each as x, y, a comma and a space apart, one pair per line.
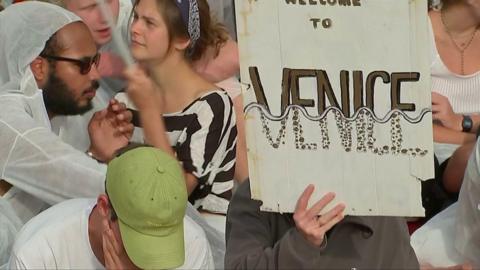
148, 192
139, 223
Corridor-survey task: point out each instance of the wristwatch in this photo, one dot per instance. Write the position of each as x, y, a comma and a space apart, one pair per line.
90, 154
467, 123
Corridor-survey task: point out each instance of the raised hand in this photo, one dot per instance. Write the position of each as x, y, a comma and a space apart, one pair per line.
442, 111
308, 221
142, 90
109, 131
114, 252
123, 118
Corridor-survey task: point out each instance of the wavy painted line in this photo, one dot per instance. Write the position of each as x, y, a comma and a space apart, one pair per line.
383, 120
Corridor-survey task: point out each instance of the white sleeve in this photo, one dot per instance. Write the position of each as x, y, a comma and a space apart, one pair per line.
35, 160
36, 254
16, 263
198, 254
467, 219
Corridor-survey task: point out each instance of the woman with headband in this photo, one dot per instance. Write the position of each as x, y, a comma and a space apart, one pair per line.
180, 111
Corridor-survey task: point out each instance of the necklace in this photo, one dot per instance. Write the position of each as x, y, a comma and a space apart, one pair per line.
460, 49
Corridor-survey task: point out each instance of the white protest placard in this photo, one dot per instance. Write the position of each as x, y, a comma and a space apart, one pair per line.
337, 94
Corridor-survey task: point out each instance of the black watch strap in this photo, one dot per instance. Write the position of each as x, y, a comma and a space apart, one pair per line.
467, 123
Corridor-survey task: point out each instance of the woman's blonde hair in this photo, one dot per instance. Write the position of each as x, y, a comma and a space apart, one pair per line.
212, 33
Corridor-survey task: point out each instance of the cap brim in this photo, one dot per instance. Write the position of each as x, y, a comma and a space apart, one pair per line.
154, 252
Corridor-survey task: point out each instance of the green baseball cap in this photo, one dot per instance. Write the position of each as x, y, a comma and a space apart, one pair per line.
147, 190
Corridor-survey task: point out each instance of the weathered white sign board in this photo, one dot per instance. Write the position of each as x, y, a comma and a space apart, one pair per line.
337, 94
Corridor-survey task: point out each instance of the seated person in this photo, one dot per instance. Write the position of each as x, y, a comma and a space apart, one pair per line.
181, 112
48, 70
72, 128
455, 81
455, 75
453, 236
216, 65
52, 73
139, 223
305, 240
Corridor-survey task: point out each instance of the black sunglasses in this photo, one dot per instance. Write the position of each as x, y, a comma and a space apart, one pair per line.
85, 64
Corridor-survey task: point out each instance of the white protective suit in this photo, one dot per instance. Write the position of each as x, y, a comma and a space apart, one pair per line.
6, 2
467, 226
453, 236
10, 225
41, 167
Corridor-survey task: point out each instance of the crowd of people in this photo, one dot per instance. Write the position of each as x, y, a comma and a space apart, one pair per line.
106, 164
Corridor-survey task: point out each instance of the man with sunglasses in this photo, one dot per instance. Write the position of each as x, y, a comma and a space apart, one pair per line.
111, 67
48, 68
58, 99
72, 129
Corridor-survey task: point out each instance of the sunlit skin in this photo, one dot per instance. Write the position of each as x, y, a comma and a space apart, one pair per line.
90, 13
461, 18
475, 8
150, 41
105, 238
164, 58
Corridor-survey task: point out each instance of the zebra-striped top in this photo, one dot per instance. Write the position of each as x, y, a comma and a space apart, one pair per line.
204, 137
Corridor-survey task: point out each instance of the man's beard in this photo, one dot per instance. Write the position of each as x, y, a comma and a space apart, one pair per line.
59, 100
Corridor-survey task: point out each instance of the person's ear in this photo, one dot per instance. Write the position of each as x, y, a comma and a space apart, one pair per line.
103, 206
181, 44
40, 70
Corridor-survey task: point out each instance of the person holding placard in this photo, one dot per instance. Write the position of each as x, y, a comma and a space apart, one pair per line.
308, 240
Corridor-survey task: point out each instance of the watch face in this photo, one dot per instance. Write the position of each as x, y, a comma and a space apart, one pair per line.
467, 123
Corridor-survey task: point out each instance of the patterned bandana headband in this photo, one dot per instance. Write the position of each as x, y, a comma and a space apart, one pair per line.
191, 18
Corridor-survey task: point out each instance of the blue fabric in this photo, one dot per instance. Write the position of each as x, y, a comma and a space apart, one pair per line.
191, 18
